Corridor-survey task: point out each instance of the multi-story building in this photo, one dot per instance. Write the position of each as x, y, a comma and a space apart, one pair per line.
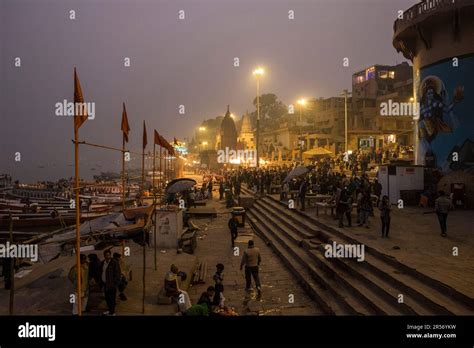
329, 124
368, 85
397, 128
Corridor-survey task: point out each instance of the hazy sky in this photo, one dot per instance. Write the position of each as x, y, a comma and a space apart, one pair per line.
173, 62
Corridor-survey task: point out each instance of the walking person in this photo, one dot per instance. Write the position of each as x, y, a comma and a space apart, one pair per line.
442, 207
251, 260
111, 275
233, 229
84, 284
365, 209
384, 207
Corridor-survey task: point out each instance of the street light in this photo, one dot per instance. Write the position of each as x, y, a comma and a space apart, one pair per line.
258, 73
202, 129
345, 93
301, 102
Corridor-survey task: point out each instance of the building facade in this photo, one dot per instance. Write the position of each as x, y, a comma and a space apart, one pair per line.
364, 132
437, 36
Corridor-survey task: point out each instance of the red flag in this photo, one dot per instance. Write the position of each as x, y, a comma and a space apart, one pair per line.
167, 145
125, 127
78, 98
144, 135
157, 138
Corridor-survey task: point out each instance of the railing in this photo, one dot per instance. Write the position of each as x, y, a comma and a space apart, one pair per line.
423, 8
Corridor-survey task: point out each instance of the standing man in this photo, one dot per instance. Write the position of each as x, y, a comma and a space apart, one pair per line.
251, 260
233, 228
111, 275
442, 206
221, 190
209, 187
377, 189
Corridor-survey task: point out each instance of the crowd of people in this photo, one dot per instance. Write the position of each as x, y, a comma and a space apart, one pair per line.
96, 276
212, 301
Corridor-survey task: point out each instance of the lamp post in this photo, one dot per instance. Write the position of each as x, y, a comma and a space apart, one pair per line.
301, 102
345, 93
258, 73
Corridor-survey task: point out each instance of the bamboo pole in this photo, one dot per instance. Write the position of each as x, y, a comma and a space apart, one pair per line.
12, 271
78, 224
123, 171
154, 204
143, 174
161, 177
144, 270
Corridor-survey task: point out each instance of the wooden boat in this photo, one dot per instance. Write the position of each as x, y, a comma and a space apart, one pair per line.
28, 220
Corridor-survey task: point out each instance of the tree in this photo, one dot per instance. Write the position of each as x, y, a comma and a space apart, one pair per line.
272, 110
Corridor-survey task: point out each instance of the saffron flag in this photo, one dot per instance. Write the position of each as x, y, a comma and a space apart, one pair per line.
144, 135
125, 127
78, 98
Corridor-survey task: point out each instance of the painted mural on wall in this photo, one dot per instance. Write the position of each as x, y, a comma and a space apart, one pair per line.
446, 121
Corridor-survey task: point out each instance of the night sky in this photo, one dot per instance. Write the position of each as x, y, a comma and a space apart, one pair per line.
173, 62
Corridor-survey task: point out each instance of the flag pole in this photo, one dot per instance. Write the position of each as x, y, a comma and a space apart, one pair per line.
154, 202
78, 223
12, 270
123, 171
144, 229
161, 176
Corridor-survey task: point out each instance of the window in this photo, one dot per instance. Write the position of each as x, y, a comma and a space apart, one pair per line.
383, 74
391, 74
370, 73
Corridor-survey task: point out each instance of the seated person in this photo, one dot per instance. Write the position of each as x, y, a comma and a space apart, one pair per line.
197, 310
172, 288
206, 298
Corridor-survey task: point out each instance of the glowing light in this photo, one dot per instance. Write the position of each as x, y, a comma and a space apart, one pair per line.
302, 101
202, 129
259, 71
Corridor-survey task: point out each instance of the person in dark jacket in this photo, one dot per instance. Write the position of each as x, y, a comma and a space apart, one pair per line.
111, 275
302, 193
218, 283
206, 298
7, 272
233, 229
95, 270
384, 207
221, 191
442, 207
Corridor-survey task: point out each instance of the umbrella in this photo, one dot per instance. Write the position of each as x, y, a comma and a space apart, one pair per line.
297, 171
180, 185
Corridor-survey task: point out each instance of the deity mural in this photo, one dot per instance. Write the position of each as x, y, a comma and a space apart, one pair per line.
446, 121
